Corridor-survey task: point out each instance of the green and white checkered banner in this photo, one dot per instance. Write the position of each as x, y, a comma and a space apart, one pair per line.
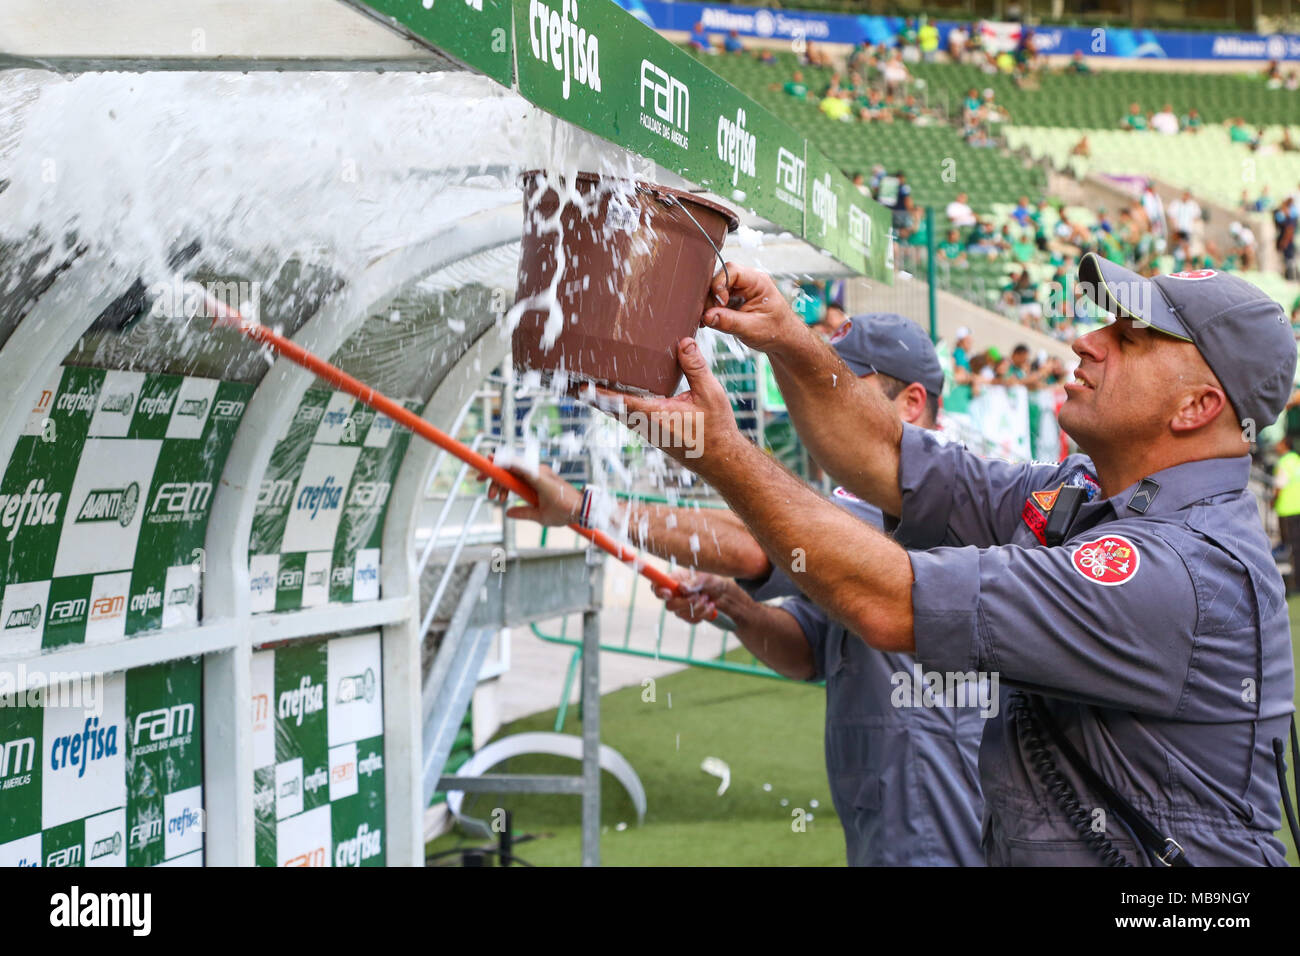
104, 505
319, 518
102, 771
318, 753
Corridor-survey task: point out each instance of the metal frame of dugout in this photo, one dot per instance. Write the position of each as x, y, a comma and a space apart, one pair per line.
420, 714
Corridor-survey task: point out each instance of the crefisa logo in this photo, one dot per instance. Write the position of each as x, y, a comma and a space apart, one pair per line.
737, 147
365, 845
556, 38
33, 507
306, 698
327, 496
78, 751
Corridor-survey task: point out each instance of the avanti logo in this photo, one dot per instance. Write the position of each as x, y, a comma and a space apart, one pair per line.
670, 99
556, 38
109, 846
825, 204
193, 408
328, 495
790, 171
737, 147
357, 687
119, 403
306, 698
110, 504
181, 595
317, 578
80, 750
365, 845
24, 617
32, 507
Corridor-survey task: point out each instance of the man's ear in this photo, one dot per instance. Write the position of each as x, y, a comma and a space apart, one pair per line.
911, 403
1199, 407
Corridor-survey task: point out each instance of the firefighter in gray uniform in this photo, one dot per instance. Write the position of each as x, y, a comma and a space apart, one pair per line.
902, 761
1128, 599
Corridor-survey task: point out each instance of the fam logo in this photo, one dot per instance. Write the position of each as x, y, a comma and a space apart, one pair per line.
790, 172
180, 501
68, 611
160, 727
228, 408
110, 504
146, 832
737, 147
825, 204
670, 99
357, 687
32, 508
859, 229
369, 494
16, 760
273, 494
556, 38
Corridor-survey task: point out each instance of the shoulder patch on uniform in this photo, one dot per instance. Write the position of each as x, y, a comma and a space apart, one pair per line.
1081, 478
1109, 560
1045, 499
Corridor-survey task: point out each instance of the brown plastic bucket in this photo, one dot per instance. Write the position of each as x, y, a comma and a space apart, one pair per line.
637, 263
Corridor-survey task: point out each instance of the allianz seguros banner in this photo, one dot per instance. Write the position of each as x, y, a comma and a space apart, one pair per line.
116, 785
319, 516
104, 505
318, 765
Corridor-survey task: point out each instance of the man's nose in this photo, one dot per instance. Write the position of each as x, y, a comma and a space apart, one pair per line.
1091, 346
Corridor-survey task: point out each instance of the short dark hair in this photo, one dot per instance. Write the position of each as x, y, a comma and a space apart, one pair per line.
893, 387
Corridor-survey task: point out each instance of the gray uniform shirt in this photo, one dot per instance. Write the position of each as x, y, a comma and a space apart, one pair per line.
1157, 634
904, 778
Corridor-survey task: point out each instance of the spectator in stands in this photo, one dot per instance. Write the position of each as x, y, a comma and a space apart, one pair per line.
766, 57
899, 201
928, 40
1293, 81
1020, 299
895, 73
732, 43
795, 86
700, 40
1069, 238
1021, 370
1238, 133
963, 342
952, 250
1135, 122
1284, 221
1286, 143
909, 112
835, 106
872, 108
1286, 502
1243, 248
959, 212
816, 56
860, 182
991, 111
957, 38
1153, 210
1022, 214
1081, 148
908, 37
1192, 121
1186, 215
877, 174
975, 43
1273, 75
970, 106
1078, 65
1165, 121
982, 241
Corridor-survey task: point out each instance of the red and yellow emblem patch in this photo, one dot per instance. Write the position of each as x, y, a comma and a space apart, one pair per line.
1110, 560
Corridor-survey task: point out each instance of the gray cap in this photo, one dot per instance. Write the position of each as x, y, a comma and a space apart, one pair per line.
1241, 332
889, 343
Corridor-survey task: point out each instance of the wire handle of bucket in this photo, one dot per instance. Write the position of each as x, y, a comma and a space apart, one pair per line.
673, 200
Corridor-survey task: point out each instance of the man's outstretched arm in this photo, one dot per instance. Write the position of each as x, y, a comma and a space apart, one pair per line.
708, 539
850, 429
858, 574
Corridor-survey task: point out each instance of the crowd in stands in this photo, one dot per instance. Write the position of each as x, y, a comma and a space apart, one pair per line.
991, 367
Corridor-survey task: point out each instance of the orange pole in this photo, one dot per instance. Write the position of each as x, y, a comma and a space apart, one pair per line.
229, 318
